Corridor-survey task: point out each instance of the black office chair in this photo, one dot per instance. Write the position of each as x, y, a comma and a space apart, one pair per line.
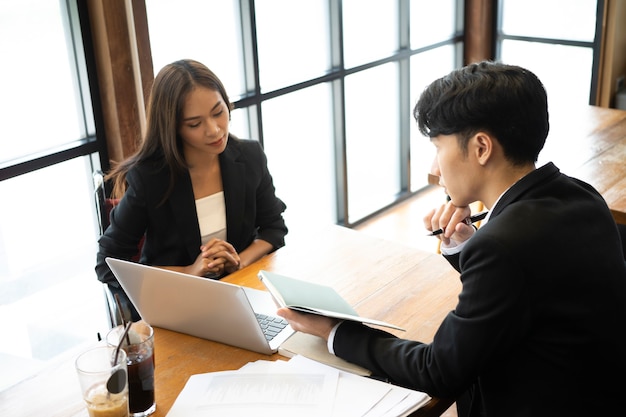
114, 296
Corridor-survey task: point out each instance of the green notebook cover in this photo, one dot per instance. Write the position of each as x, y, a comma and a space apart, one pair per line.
312, 298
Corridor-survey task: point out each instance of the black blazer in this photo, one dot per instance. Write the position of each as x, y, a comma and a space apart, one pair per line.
540, 324
172, 233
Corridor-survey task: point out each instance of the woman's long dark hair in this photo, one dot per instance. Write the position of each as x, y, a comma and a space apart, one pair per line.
163, 116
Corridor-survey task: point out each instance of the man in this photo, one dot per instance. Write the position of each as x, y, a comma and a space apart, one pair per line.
540, 325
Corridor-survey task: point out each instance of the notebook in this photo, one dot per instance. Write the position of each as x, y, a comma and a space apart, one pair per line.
311, 297
201, 307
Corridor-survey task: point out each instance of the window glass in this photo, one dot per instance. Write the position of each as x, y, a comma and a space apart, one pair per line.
207, 31
425, 68
370, 30
424, 29
540, 59
294, 47
40, 106
50, 299
240, 123
372, 139
536, 18
298, 141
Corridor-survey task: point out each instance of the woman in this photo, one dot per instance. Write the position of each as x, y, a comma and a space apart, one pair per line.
202, 200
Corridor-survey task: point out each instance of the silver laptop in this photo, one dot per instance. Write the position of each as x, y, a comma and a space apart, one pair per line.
202, 307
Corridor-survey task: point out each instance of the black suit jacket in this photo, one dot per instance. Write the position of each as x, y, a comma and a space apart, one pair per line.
172, 233
540, 324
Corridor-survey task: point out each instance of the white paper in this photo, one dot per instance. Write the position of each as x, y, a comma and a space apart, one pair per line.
299, 387
356, 395
243, 393
360, 396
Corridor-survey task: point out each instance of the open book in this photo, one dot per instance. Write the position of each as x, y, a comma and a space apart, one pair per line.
313, 298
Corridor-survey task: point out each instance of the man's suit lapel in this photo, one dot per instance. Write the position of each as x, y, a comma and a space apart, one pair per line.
544, 173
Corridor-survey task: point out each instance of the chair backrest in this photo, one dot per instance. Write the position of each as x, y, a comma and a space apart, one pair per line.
100, 195
104, 205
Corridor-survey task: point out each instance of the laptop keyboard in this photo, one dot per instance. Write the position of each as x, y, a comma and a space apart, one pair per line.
271, 325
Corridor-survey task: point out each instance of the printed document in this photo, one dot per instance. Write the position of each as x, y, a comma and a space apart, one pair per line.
300, 386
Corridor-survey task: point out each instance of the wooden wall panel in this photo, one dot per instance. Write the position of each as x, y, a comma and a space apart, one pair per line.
479, 24
121, 71
613, 57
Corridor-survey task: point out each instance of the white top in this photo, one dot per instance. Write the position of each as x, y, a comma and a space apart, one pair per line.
212, 217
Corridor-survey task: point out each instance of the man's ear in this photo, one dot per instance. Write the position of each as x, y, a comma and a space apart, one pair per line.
482, 147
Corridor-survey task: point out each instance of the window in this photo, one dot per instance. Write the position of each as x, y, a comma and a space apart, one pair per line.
288, 54
363, 38
372, 139
50, 300
321, 82
562, 55
438, 56
307, 132
40, 81
425, 68
207, 31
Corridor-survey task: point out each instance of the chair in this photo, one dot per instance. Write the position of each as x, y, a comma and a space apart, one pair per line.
104, 205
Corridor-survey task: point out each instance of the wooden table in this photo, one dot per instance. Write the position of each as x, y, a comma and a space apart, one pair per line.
589, 143
381, 279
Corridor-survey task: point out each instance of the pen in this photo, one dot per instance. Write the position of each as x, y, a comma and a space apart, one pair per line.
469, 220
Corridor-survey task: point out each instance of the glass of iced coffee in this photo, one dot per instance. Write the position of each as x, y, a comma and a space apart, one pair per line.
139, 347
102, 374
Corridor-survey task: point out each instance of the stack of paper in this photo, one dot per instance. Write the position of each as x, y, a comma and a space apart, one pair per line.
298, 387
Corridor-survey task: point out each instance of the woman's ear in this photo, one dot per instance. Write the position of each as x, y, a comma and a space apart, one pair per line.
482, 147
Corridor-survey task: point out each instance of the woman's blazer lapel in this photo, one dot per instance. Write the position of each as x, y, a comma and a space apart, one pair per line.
182, 203
235, 184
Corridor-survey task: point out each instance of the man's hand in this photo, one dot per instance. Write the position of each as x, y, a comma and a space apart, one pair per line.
308, 323
451, 219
